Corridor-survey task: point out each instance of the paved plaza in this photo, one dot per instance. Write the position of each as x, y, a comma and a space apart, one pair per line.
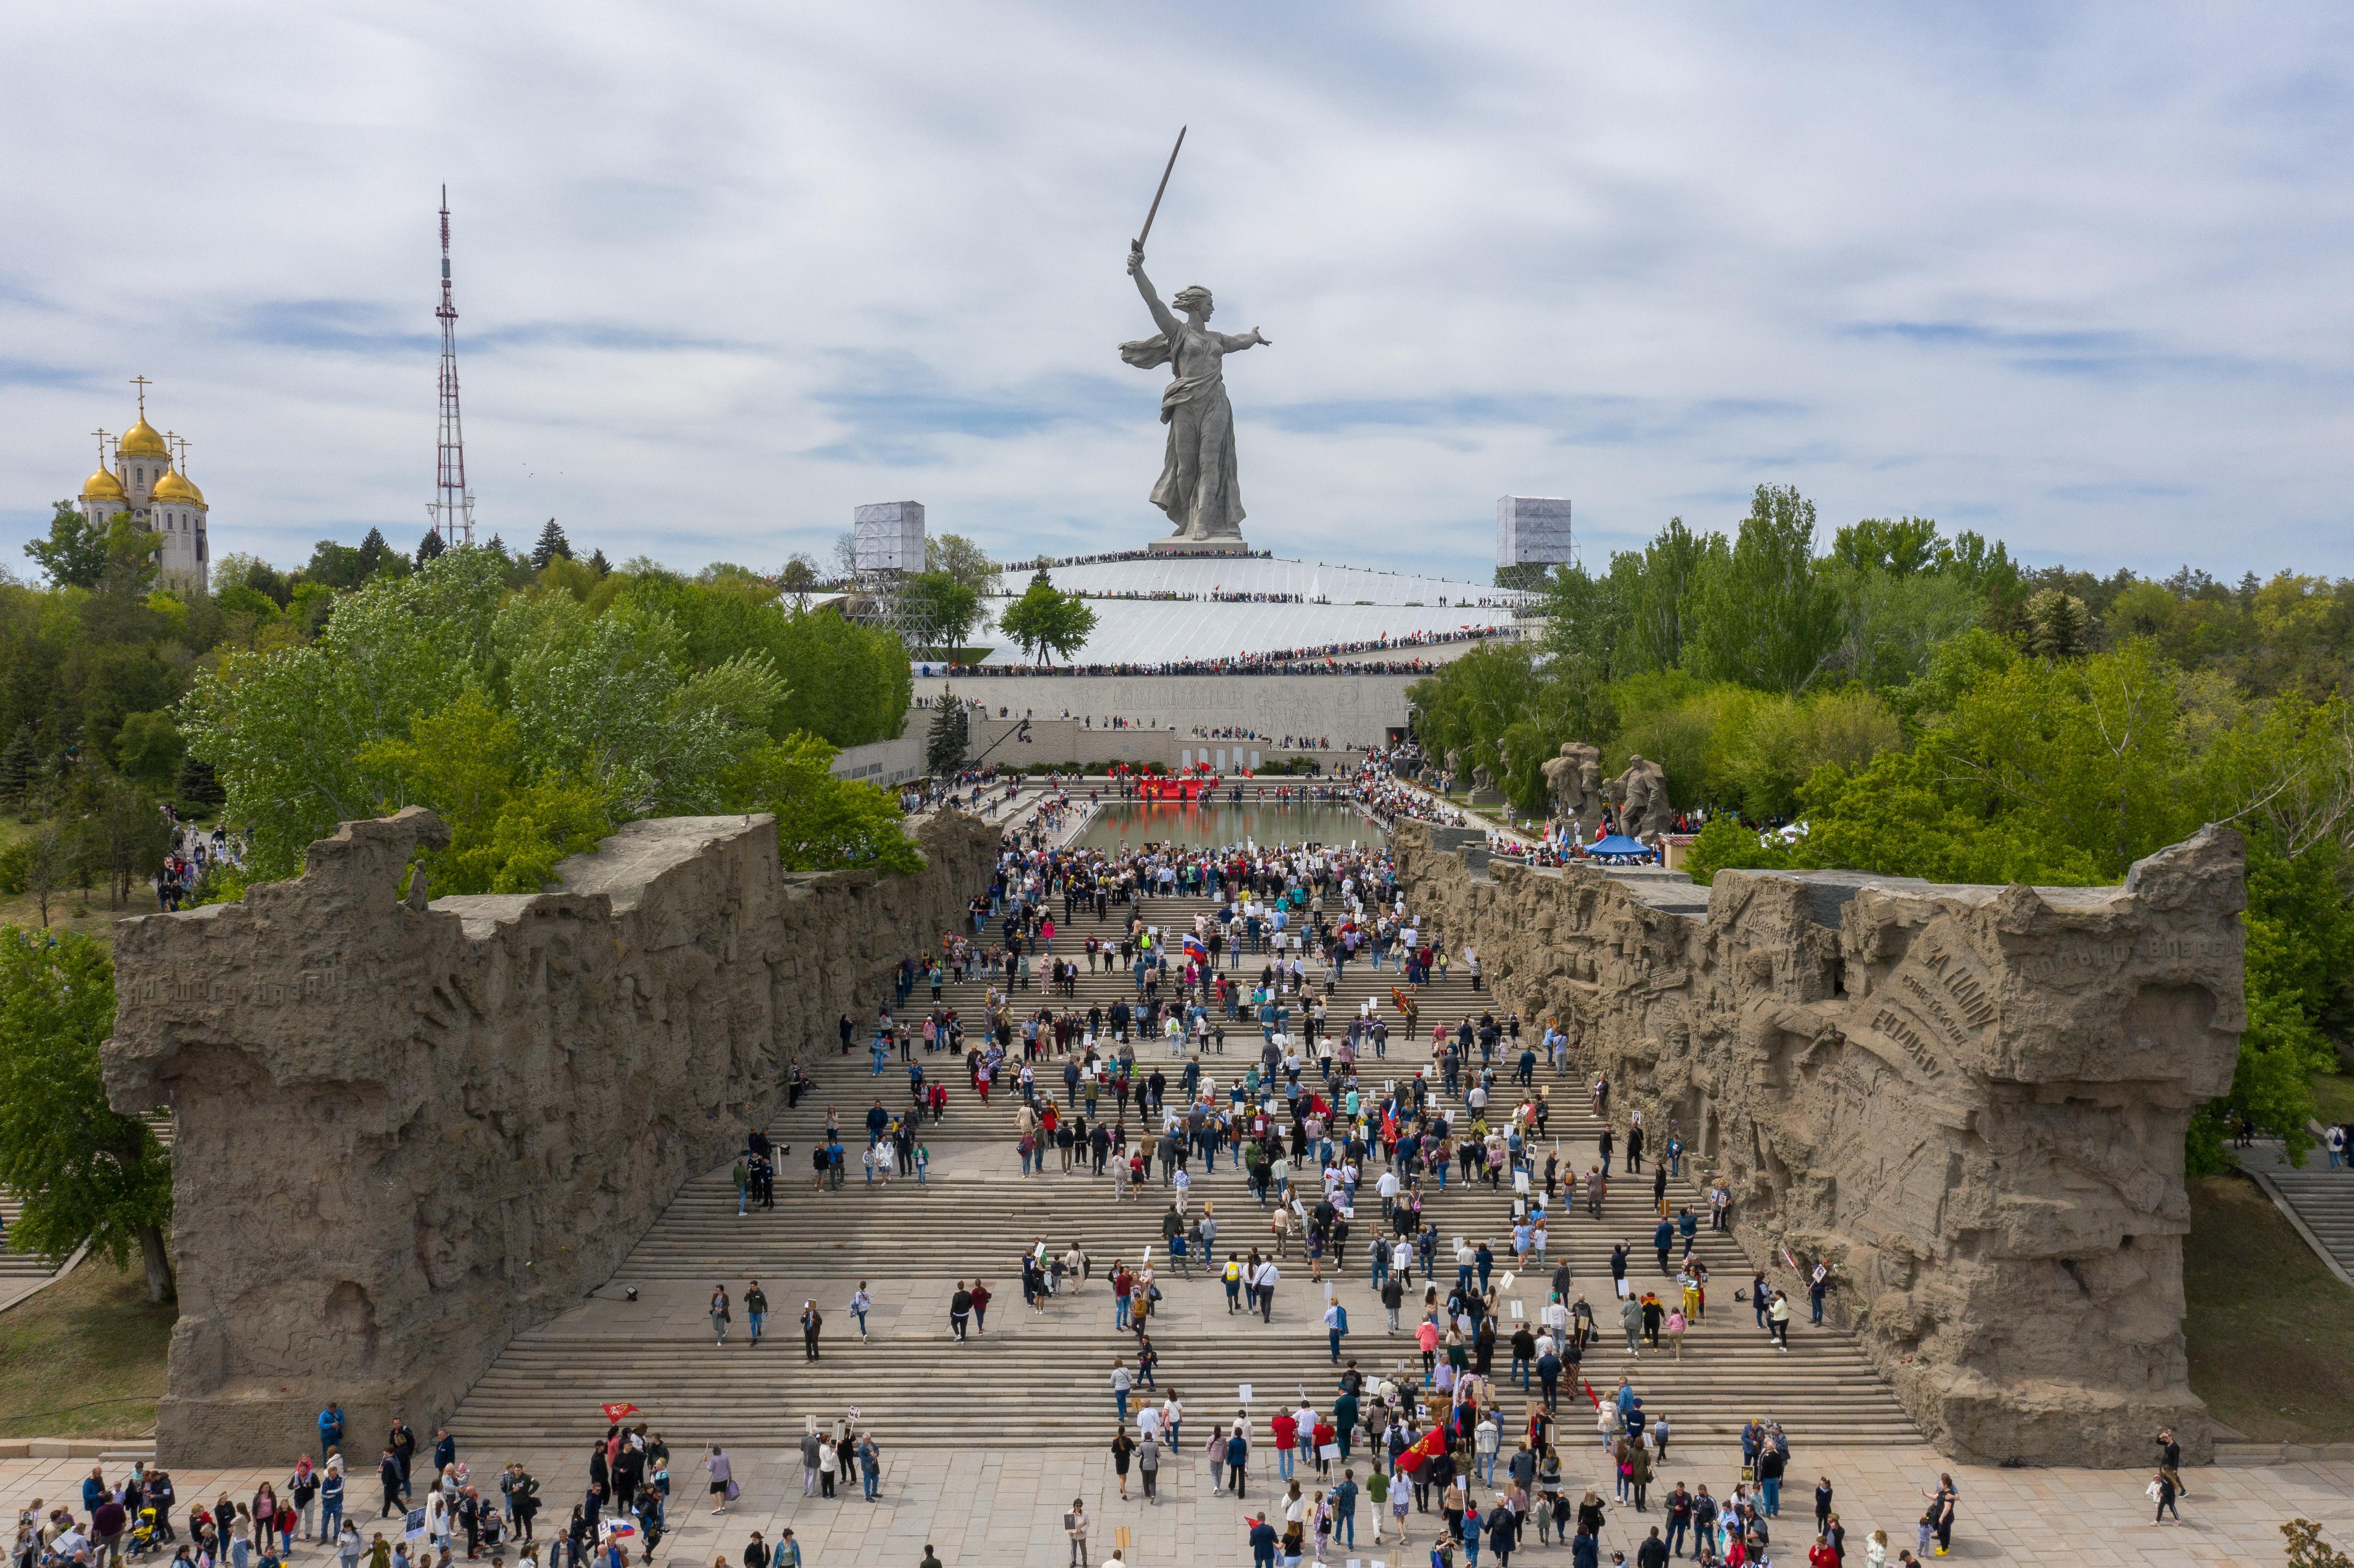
997, 1509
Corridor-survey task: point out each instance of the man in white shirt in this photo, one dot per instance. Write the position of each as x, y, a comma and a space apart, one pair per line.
1388, 1188
1266, 1281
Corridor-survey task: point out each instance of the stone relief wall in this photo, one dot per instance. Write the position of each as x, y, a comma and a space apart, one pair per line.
404, 1133
1971, 1100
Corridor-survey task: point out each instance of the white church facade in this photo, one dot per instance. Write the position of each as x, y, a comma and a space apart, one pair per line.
144, 482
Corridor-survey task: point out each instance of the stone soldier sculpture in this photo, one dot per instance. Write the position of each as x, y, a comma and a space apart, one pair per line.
1640, 795
1575, 780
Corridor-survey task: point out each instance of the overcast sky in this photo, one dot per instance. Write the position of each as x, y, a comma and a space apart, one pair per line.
2076, 277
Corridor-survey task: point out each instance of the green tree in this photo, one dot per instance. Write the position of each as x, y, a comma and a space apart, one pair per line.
1665, 593
824, 823
88, 1175
18, 765
429, 549
199, 787
1045, 622
376, 553
1767, 618
959, 558
800, 577
941, 611
950, 739
148, 748
1899, 547
121, 832
334, 565
2059, 626
552, 547
74, 554
537, 827
47, 865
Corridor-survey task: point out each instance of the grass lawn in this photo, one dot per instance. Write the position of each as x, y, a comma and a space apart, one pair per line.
2271, 1332
2332, 1096
70, 909
85, 1357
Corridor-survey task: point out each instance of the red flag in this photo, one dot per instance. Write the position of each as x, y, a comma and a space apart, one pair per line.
1594, 1396
616, 1412
1433, 1443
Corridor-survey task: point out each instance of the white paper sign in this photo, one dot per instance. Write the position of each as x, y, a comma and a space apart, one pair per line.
1244, 1389
1517, 1314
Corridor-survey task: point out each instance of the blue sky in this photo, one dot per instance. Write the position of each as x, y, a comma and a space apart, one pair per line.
2076, 277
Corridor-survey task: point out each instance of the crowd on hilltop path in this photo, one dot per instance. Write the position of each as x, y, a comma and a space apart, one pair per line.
1323, 659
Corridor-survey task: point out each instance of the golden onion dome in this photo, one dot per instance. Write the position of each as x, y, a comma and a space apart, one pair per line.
101, 486
142, 440
174, 487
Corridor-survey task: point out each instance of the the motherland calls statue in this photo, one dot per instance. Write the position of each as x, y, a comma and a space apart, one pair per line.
1198, 488
1575, 780
1640, 794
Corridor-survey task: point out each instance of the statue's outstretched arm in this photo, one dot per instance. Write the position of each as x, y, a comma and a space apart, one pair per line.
1161, 314
1234, 344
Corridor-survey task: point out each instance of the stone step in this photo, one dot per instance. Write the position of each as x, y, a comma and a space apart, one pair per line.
1043, 1376
930, 1390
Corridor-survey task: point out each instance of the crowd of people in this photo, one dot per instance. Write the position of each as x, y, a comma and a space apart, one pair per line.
194, 850
1322, 658
1223, 1041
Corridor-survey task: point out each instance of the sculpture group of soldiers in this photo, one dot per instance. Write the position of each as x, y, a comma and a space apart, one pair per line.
1638, 797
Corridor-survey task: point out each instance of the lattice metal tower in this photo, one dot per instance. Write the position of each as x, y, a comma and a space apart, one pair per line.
452, 508
887, 549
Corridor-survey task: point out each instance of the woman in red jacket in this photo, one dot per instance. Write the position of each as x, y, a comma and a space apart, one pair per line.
1286, 1442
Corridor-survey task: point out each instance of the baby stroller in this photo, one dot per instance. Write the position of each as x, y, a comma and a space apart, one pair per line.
148, 1534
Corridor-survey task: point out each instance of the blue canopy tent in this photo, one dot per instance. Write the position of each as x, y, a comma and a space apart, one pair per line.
1619, 849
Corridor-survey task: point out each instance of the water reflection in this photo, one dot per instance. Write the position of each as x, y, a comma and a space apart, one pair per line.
1136, 822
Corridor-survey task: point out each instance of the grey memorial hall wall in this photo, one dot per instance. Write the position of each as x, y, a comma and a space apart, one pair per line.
1971, 1100
405, 1133
1351, 710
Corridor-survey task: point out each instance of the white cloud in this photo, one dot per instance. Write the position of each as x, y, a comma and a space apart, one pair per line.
2075, 278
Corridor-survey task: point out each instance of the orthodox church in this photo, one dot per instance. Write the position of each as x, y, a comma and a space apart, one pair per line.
144, 482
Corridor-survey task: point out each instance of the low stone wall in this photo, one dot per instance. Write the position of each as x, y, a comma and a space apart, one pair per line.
404, 1133
1971, 1100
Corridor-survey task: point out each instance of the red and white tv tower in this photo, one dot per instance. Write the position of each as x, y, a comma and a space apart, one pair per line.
453, 510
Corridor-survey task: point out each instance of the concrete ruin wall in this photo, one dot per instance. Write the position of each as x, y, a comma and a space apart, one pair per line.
403, 1134
1971, 1100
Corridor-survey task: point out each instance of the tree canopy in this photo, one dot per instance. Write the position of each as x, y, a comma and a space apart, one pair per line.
88, 1175
1921, 705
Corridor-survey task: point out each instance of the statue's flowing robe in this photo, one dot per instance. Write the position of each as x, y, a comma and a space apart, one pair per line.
1198, 487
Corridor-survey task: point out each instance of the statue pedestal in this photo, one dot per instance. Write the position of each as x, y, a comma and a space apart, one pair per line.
1200, 547
1488, 798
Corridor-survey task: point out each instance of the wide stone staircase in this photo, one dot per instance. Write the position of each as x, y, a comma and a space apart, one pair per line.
1042, 1379
17, 1266
2321, 1196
